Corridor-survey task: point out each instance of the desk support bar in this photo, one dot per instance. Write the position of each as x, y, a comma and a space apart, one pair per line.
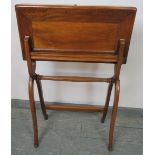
69, 107
75, 78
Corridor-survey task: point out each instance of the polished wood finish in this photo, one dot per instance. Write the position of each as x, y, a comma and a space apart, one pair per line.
70, 107
74, 35
66, 32
79, 34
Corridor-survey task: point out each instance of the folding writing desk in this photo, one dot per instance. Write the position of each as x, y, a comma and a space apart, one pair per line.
95, 34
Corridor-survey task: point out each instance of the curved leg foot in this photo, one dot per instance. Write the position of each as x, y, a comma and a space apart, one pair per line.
33, 111
107, 102
36, 145
110, 148
114, 113
39, 86
46, 117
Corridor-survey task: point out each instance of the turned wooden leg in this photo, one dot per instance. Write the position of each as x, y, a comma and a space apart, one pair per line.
33, 111
40, 92
107, 102
114, 113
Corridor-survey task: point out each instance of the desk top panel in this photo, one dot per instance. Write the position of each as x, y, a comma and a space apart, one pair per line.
90, 29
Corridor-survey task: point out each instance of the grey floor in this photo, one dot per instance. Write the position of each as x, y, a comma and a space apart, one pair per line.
75, 133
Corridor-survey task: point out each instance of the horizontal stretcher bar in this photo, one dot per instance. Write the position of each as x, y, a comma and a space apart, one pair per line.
69, 107
75, 78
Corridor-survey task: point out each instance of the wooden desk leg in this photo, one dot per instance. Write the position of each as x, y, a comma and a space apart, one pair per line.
33, 110
40, 92
114, 113
107, 102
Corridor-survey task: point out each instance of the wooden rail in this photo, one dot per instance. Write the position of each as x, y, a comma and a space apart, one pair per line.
72, 57
74, 78
69, 107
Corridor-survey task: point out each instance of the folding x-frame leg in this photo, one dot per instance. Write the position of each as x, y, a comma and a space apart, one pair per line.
33, 110
107, 102
40, 92
114, 113
32, 76
117, 69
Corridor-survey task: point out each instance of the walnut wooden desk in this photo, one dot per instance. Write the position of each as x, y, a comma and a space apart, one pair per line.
96, 34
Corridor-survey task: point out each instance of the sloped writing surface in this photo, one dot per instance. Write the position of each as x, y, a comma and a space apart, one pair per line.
75, 28
75, 36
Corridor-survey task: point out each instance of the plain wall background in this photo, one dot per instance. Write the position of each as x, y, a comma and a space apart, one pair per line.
82, 93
